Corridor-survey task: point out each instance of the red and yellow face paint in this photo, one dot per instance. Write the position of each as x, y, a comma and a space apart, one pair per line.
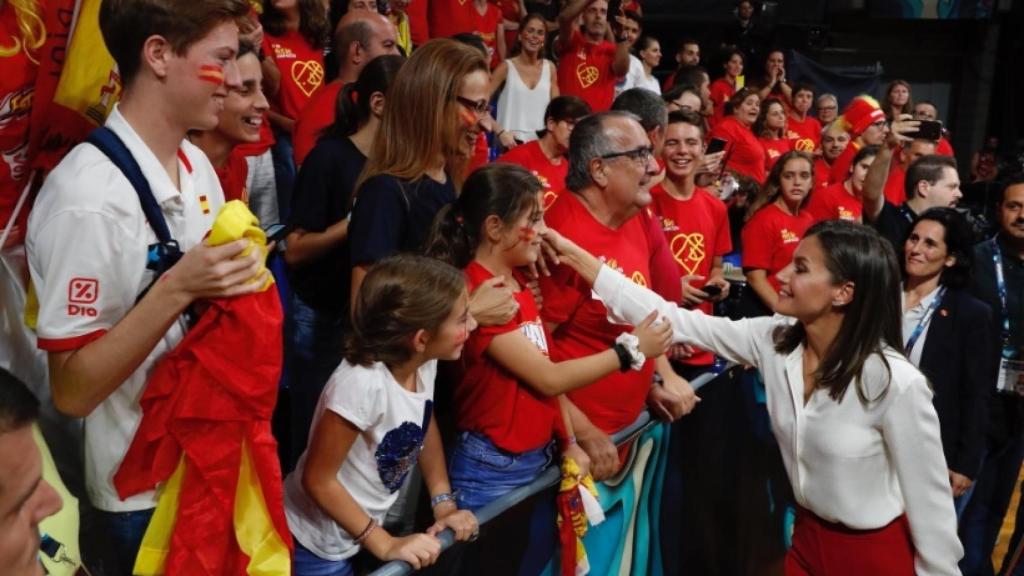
212, 74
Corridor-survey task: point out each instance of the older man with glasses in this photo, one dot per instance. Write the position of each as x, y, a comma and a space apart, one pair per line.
605, 211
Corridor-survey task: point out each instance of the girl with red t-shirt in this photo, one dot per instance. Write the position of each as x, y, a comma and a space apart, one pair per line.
770, 128
508, 402
744, 153
723, 89
296, 34
777, 224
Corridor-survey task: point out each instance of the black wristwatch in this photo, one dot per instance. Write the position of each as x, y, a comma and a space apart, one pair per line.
625, 358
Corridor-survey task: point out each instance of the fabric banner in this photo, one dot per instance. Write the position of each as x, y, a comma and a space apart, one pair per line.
845, 82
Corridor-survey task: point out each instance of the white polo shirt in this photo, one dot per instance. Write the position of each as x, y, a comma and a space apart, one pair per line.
87, 246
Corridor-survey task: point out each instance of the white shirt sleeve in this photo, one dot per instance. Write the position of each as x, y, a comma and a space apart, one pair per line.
737, 341
87, 271
357, 395
911, 431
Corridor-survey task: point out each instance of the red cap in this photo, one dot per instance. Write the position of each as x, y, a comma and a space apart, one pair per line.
862, 112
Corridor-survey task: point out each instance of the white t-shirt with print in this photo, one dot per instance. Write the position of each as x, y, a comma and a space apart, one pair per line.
393, 422
87, 249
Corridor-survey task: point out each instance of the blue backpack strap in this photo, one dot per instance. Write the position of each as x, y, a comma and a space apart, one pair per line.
111, 145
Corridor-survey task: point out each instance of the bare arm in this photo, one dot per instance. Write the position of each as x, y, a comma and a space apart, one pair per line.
502, 49
305, 247
498, 77
80, 380
873, 194
555, 92
567, 20
757, 279
620, 66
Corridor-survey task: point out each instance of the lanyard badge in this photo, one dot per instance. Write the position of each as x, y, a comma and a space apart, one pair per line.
1011, 359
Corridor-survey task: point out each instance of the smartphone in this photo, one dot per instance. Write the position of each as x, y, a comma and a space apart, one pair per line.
276, 232
716, 145
712, 290
929, 130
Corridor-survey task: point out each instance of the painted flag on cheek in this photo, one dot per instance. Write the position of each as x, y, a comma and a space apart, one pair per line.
212, 74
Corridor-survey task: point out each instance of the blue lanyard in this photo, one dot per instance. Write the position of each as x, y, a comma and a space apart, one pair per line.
997, 261
924, 320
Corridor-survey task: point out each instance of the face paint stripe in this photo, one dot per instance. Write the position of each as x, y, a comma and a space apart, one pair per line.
211, 74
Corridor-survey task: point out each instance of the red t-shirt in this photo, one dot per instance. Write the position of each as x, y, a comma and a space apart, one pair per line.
317, 115
804, 135
302, 71
585, 71
840, 170
895, 190
509, 12
486, 27
532, 157
835, 202
697, 231
721, 92
17, 87
488, 398
771, 237
746, 154
233, 176
419, 22
774, 148
450, 17
616, 400
821, 172
481, 154
944, 148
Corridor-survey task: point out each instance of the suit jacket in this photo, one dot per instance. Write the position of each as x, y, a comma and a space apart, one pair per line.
959, 361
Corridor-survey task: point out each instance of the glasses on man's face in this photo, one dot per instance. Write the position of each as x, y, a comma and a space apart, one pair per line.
880, 124
480, 107
828, 108
641, 155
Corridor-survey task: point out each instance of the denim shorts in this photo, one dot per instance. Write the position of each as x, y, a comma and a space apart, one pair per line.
480, 472
307, 563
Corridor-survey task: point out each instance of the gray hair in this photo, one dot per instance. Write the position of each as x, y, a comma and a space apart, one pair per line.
647, 105
590, 140
826, 96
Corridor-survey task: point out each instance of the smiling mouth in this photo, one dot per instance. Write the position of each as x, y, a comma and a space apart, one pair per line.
253, 121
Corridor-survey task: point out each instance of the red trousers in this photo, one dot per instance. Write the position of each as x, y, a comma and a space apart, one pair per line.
822, 548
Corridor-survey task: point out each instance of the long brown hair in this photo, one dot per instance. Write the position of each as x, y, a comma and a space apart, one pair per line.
887, 104
872, 321
314, 24
400, 296
423, 121
773, 185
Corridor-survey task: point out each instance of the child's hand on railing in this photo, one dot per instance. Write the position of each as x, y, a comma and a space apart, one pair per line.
579, 456
462, 522
419, 550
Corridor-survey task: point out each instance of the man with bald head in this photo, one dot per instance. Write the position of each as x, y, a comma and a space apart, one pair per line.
611, 164
361, 36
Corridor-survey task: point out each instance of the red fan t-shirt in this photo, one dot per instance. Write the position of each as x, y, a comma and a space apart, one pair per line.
745, 153
770, 238
804, 135
17, 87
721, 92
486, 27
489, 399
895, 189
302, 71
585, 71
450, 17
835, 202
841, 166
233, 176
821, 172
314, 118
774, 148
419, 22
532, 157
697, 231
614, 401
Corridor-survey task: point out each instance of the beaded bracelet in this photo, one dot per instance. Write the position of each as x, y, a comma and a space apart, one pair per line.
444, 497
366, 532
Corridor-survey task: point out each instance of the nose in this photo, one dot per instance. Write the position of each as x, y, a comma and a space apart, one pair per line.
651, 168
471, 323
232, 77
49, 502
785, 274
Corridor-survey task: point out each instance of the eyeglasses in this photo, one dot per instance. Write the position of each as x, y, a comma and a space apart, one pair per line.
880, 124
642, 154
834, 108
480, 107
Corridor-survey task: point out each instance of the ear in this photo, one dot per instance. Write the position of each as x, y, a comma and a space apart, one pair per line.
922, 188
355, 53
950, 261
842, 295
493, 227
597, 174
377, 104
156, 55
420, 340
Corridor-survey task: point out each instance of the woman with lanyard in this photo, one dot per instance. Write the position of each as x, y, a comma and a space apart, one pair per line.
853, 417
947, 335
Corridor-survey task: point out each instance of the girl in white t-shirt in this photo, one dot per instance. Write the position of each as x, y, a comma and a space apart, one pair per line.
375, 420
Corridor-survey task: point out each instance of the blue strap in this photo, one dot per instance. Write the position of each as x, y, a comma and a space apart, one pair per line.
109, 143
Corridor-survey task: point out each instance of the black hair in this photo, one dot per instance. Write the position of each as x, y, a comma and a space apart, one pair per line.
18, 406
804, 87
678, 90
314, 22
564, 108
499, 189
687, 117
471, 39
352, 107
959, 241
691, 74
865, 152
872, 321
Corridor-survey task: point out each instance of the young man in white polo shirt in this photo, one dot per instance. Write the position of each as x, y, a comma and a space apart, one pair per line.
89, 238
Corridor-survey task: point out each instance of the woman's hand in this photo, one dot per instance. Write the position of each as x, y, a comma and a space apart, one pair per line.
654, 338
492, 303
462, 522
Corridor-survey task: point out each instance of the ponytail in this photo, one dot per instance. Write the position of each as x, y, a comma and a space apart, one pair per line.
352, 108
450, 241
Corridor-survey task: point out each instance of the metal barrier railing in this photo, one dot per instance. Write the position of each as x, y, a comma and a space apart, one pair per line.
547, 479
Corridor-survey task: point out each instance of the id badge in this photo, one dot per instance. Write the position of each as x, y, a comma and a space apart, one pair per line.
1011, 372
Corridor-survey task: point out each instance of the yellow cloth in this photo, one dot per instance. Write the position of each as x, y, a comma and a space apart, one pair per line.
62, 526
89, 83
235, 221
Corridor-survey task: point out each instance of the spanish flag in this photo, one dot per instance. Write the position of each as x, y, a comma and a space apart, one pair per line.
205, 437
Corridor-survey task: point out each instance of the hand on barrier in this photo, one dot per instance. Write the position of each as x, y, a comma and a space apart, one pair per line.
579, 456
492, 303
604, 456
654, 338
462, 522
419, 550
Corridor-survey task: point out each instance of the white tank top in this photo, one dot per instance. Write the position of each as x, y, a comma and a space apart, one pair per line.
520, 109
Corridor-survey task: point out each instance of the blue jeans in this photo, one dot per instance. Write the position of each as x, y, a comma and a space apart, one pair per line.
480, 472
983, 516
308, 564
125, 530
313, 349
